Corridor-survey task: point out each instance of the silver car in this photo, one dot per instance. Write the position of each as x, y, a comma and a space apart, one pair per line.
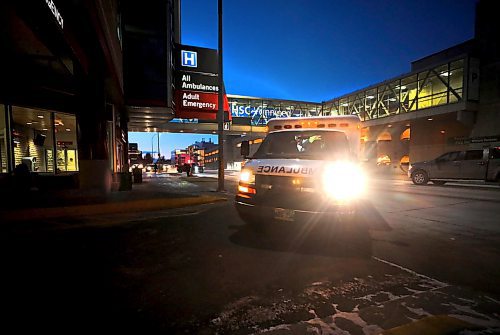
474, 164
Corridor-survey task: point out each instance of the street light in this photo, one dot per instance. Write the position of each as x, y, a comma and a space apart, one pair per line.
220, 112
152, 138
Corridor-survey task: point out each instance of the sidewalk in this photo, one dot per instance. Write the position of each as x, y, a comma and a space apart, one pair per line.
155, 193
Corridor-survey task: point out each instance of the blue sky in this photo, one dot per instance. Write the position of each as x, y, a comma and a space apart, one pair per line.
315, 50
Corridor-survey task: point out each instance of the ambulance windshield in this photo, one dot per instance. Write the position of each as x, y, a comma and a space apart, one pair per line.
311, 144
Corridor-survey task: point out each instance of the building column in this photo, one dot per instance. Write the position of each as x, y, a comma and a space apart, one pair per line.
92, 137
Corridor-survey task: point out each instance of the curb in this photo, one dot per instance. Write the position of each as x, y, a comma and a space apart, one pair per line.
431, 325
108, 208
198, 179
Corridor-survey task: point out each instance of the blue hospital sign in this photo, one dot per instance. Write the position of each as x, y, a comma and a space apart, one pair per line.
189, 58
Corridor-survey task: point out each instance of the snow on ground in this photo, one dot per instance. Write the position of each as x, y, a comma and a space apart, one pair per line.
361, 305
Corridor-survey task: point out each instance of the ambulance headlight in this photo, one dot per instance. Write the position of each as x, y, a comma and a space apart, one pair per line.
343, 181
247, 177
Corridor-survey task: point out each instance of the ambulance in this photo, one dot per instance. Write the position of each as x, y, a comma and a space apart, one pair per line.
305, 171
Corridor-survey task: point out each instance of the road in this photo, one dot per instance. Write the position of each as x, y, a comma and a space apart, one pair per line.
422, 251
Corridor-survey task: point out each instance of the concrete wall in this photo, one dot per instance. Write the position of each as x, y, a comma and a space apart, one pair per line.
488, 116
428, 141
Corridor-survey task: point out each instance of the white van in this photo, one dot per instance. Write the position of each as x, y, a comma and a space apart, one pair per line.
305, 170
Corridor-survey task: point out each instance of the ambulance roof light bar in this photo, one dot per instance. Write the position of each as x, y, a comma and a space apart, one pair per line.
321, 122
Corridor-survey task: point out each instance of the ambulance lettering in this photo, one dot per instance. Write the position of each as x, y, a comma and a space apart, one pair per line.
283, 170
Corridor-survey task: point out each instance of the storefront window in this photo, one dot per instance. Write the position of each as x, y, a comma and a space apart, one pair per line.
65, 129
32, 138
3, 141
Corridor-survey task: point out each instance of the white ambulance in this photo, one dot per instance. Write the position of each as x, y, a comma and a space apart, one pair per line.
305, 170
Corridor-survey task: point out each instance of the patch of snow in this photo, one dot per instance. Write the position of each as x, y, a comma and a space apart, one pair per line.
436, 282
367, 297
490, 298
418, 311
480, 332
471, 301
474, 317
278, 327
357, 320
319, 283
392, 296
414, 291
325, 328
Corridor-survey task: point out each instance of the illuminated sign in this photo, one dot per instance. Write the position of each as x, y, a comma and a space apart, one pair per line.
252, 111
55, 12
471, 140
189, 58
196, 84
176, 120
193, 81
195, 59
260, 115
198, 105
201, 101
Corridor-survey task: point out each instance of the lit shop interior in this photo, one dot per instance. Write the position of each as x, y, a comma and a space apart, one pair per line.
35, 135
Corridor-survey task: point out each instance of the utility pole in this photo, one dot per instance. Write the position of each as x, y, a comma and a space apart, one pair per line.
158, 145
152, 146
220, 112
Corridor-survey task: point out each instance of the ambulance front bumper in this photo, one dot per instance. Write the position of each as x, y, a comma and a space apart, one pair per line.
249, 208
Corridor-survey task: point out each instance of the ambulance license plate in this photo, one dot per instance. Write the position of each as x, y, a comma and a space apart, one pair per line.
284, 214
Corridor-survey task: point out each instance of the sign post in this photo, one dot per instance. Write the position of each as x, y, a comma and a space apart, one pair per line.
220, 113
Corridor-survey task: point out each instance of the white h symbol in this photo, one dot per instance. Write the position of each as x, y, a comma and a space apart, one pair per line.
189, 58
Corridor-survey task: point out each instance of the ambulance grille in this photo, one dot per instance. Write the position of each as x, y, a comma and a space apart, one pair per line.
288, 192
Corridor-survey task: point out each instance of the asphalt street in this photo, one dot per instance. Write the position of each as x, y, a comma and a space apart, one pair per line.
200, 270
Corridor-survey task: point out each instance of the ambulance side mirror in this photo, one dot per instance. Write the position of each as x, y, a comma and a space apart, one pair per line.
245, 148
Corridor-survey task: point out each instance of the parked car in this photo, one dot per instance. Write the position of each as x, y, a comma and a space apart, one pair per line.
474, 164
151, 168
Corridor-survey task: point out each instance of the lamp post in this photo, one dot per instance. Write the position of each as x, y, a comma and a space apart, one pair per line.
220, 112
152, 148
158, 145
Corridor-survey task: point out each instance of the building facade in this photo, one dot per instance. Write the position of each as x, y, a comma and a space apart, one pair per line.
75, 75
61, 95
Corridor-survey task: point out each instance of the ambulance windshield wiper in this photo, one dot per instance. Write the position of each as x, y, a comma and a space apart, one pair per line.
314, 156
281, 155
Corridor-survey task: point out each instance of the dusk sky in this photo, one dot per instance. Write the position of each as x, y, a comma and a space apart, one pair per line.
316, 50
